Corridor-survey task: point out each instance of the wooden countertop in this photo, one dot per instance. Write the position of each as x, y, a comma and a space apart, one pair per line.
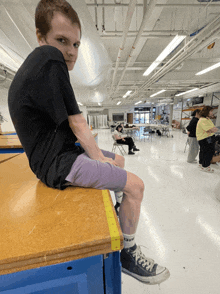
10, 143
9, 137
7, 156
40, 226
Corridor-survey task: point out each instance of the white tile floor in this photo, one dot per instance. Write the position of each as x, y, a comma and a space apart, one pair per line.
180, 219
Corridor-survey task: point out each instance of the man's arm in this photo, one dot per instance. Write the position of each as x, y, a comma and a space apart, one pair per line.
85, 137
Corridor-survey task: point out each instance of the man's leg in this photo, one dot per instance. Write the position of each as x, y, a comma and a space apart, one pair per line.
130, 207
86, 172
134, 262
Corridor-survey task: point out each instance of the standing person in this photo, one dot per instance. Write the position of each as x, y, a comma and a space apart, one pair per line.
205, 135
48, 122
193, 143
123, 139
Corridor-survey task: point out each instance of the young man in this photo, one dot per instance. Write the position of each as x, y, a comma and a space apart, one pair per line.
48, 121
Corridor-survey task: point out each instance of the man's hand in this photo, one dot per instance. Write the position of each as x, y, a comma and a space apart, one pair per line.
109, 160
123, 139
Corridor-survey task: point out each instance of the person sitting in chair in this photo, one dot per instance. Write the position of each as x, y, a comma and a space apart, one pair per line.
122, 139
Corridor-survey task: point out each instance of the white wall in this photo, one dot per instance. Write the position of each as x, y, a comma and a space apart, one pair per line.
123, 110
84, 111
7, 126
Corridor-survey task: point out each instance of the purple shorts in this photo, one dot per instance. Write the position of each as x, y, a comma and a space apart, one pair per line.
90, 173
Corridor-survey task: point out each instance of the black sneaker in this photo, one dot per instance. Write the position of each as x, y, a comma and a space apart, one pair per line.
135, 149
117, 207
130, 152
142, 268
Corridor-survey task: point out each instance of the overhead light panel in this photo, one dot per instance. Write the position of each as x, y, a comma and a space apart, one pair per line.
170, 47
187, 92
128, 93
119, 102
158, 93
138, 102
208, 69
99, 104
80, 103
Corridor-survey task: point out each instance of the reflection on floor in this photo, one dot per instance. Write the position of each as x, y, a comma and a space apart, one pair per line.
180, 216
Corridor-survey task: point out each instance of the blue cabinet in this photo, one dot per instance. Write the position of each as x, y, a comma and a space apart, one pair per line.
92, 275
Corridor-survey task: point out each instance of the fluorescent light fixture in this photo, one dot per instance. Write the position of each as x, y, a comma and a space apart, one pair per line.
99, 104
158, 93
187, 92
208, 69
119, 102
80, 103
170, 47
138, 102
129, 92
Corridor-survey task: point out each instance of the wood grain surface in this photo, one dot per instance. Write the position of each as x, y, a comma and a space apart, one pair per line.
7, 156
40, 226
10, 143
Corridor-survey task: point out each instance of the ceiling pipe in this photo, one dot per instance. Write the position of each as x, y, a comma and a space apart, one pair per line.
103, 18
134, 35
197, 43
146, 17
145, 6
154, 32
177, 5
96, 17
127, 23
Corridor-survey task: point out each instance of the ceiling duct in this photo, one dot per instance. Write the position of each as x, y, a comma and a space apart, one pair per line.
208, 0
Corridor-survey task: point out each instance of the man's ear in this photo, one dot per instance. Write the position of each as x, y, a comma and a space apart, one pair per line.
40, 38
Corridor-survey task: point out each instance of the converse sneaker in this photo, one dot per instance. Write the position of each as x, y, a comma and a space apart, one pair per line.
142, 268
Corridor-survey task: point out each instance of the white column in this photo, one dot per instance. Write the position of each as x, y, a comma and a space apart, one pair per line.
218, 117
171, 115
151, 112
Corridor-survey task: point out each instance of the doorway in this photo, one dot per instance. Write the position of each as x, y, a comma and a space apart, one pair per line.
130, 118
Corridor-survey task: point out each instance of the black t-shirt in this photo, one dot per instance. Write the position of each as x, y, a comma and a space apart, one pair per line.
40, 100
191, 128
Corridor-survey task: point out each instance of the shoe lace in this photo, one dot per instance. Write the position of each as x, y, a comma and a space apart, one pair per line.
142, 259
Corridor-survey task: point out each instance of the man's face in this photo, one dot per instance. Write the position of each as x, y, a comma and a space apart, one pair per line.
65, 36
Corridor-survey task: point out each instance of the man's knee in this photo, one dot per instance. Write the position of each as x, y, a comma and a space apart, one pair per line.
120, 160
134, 186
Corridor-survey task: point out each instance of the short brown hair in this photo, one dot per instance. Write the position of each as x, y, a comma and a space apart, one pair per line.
205, 111
45, 11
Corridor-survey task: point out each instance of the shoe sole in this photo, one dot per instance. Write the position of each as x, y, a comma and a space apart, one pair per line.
207, 171
150, 280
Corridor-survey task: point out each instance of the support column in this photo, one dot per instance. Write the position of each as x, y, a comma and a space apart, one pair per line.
151, 112
171, 115
218, 117
181, 114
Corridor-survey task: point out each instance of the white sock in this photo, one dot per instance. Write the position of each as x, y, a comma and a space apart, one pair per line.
119, 197
129, 240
